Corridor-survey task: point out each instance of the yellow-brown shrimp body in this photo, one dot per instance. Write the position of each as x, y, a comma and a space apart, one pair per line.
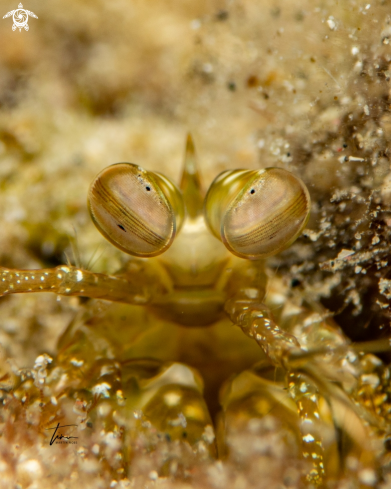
197, 261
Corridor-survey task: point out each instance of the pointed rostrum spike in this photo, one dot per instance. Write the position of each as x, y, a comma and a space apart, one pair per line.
191, 181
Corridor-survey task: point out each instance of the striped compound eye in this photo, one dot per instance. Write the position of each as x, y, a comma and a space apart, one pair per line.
138, 211
257, 213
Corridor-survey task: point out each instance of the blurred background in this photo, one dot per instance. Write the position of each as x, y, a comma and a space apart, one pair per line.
304, 86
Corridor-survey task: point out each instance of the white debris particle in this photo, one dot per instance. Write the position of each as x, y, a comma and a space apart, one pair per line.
370, 379
208, 435
251, 292
366, 109
308, 438
102, 389
124, 483
89, 465
367, 6
104, 409
111, 440
355, 50
385, 287
357, 269
172, 398
77, 363
179, 421
312, 235
32, 467
138, 414
331, 23
368, 477
355, 158
354, 297
80, 407
153, 475
303, 387
42, 361
79, 276
95, 449
375, 240
120, 397
195, 24
383, 305
344, 253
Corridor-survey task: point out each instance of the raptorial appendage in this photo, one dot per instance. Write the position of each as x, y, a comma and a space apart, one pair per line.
306, 396
73, 281
256, 321
326, 379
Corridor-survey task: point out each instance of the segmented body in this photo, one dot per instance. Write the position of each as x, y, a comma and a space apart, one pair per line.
170, 358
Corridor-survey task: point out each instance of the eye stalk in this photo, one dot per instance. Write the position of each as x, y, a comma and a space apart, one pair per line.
257, 213
138, 211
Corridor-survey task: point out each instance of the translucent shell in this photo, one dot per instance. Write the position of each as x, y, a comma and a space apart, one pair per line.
138, 211
257, 213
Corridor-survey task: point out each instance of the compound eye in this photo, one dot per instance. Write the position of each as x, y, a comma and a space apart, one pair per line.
138, 211
257, 213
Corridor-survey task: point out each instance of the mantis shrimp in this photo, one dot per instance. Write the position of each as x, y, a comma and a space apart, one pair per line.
166, 348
